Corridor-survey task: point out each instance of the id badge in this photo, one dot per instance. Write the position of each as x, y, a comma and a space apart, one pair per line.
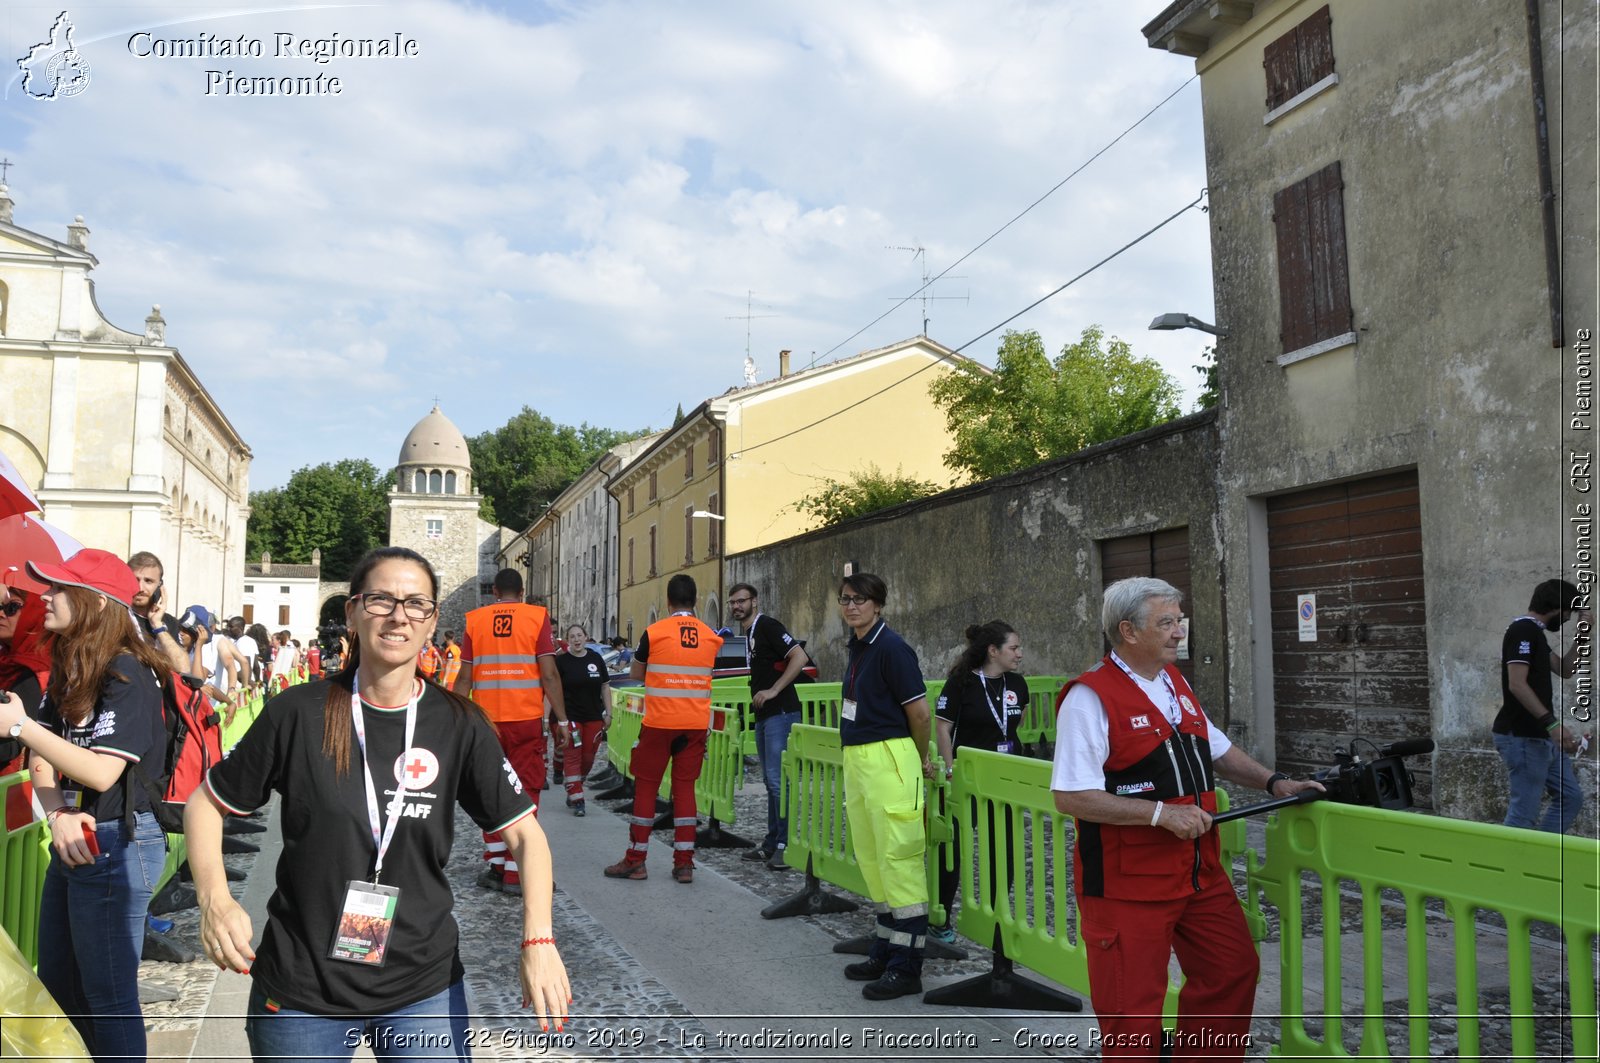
848, 710
364, 924
1006, 747
71, 798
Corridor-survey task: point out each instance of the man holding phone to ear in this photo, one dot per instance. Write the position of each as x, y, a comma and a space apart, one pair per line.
150, 608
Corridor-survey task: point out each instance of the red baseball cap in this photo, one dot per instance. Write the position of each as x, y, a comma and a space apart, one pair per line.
94, 570
12, 576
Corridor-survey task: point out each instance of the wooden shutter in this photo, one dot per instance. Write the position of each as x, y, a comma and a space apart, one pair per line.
1297, 308
1314, 48
1329, 266
1282, 62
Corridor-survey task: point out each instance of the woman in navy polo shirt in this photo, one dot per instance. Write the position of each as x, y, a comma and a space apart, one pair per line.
883, 727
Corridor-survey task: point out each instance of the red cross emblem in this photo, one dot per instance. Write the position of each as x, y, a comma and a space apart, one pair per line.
416, 768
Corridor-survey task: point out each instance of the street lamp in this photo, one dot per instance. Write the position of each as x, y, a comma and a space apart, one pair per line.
1174, 322
707, 513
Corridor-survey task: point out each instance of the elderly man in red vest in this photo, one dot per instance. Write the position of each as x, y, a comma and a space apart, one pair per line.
675, 659
1136, 764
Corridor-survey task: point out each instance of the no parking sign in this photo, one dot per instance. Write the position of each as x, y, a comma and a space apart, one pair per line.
1306, 611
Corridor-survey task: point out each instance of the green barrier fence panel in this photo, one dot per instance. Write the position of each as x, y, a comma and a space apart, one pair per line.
1522, 876
627, 716
177, 853
1039, 718
813, 796
24, 853
819, 704
722, 773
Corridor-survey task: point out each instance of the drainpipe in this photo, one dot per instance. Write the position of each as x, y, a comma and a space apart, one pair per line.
1547, 195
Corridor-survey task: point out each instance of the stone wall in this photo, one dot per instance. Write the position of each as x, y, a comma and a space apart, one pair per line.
1024, 549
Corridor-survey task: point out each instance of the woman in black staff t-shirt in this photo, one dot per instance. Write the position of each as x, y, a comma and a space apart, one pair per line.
586, 686
980, 708
101, 719
369, 765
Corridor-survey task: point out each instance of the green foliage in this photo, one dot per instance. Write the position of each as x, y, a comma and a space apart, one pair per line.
525, 463
1208, 376
341, 509
1031, 409
865, 492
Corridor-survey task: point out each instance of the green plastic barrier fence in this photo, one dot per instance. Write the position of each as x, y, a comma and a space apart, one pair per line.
1039, 717
721, 774
627, 716
24, 853
819, 704
1522, 875
813, 795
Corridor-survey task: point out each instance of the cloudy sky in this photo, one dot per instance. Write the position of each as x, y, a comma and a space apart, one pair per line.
564, 205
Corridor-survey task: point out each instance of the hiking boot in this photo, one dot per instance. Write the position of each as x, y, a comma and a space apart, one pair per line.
683, 874
578, 808
633, 869
760, 852
893, 984
944, 935
776, 863
866, 971
491, 879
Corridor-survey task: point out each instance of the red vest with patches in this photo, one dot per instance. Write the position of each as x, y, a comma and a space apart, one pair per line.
1150, 760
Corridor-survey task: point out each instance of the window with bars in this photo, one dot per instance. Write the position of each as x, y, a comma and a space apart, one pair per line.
1313, 272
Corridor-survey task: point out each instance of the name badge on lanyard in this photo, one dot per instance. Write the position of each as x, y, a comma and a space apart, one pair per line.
998, 713
366, 918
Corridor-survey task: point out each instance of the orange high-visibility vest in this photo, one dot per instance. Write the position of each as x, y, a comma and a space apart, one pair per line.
505, 660
677, 677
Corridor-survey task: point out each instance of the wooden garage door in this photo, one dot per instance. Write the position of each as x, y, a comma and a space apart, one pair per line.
1162, 554
1358, 548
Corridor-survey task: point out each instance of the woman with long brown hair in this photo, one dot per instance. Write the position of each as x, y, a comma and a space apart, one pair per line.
100, 718
370, 763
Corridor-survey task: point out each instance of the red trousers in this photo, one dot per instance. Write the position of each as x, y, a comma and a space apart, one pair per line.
687, 751
1128, 944
576, 760
523, 742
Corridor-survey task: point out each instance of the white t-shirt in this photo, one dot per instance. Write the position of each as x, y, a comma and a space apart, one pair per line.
284, 662
1083, 734
209, 661
247, 648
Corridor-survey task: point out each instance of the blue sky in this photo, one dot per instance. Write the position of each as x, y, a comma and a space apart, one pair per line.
564, 205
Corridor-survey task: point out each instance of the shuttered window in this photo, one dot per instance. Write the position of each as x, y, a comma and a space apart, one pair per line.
1299, 59
1313, 276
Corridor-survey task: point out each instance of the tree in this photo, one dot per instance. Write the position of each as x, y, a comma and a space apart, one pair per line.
865, 492
1031, 409
526, 462
339, 508
1208, 376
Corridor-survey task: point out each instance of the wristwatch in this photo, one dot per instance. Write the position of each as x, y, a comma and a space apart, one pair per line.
15, 730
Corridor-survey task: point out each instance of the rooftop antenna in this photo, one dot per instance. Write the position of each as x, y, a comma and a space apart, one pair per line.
920, 253
748, 315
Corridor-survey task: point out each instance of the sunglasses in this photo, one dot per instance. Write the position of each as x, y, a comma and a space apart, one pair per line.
11, 608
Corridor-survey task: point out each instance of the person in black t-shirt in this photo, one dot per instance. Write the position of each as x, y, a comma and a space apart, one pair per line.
24, 654
1529, 734
586, 686
980, 707
100, 721
776, 660
370, 764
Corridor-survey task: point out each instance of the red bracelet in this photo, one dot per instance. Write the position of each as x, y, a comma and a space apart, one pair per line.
538, 941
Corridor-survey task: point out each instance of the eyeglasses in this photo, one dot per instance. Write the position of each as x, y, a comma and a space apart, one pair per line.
383, 605
740, 601
10, 608
853, 599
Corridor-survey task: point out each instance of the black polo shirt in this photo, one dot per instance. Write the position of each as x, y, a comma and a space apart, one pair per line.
1524, 643
767, 644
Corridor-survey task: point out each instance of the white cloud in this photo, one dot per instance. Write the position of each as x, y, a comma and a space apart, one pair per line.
564, 206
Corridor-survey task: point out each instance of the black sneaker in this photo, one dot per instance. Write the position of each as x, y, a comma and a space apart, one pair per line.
776, 862
578, 809
866, 971
760, 852
893, 984
491, 879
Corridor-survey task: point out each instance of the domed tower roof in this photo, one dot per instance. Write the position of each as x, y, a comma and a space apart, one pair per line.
435, 441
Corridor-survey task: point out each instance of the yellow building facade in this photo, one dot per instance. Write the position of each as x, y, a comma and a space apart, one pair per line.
748, 455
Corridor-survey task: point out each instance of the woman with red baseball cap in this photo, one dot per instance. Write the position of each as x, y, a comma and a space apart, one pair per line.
101, 714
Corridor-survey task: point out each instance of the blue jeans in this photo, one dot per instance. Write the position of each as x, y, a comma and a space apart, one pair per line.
91, 935
1535, 766
435, 1028
772, 738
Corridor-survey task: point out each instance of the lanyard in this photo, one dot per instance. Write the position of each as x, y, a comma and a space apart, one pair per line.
997, 713
1174, 716
381, 841
750, 643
